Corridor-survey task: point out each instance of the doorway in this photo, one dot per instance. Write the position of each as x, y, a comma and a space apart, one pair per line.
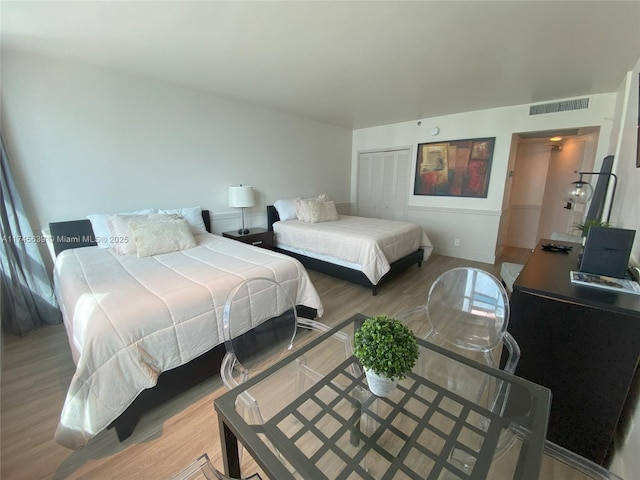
540, 171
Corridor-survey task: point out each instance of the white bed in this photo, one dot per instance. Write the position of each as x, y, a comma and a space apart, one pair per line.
130, 318
370, 245
350, 246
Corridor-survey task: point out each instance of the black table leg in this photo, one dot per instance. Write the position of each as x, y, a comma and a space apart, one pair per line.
230, 456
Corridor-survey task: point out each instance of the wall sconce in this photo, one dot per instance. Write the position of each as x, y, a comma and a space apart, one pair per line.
581, 191
241, 197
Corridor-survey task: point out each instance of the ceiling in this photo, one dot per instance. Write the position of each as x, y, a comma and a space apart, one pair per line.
352, 64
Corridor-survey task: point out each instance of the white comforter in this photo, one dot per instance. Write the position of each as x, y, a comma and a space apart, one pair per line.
367, 244
129, 319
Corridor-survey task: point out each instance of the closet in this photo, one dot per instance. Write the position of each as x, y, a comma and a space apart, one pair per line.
383, 184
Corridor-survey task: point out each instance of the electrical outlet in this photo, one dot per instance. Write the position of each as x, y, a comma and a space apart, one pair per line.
456, 242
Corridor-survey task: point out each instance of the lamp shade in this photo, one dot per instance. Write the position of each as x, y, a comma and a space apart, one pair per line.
578, 192
241, 196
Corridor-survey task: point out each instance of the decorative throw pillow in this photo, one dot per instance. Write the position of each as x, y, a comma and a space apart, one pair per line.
322, 211
301, 209
153, 237
302, 206
100, 225
193, 216
120, 234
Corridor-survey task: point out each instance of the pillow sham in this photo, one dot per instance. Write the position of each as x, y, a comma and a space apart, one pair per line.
193, 216
322, 211
153, 237
302, 206
300, 209
286, 209
100, 225
120, 234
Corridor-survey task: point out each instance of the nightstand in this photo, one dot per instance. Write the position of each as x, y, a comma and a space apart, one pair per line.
259, 237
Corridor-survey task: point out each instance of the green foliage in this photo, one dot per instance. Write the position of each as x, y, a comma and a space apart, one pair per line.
386, 346
583, 227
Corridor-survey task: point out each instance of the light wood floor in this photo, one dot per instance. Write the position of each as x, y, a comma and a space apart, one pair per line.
37, 369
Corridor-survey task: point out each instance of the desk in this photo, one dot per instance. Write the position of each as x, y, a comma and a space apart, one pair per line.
336, 430
581, 342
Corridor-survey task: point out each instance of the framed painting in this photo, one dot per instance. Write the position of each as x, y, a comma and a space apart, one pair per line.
459, 168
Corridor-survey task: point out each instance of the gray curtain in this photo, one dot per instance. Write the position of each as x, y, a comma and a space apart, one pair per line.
27, 295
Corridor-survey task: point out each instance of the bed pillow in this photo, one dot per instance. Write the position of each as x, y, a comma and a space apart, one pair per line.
100, 225
120, 233
322, 211
300, 209
193, 216
302, 206
153, 237
286, 209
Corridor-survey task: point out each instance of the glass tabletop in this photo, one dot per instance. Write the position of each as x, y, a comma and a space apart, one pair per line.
450, 418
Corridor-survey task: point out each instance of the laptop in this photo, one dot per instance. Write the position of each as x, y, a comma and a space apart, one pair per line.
606, 251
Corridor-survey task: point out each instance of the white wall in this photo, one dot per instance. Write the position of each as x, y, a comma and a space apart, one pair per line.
86, 140
476, 222
626, 208
527, 189
626, 214
578, 154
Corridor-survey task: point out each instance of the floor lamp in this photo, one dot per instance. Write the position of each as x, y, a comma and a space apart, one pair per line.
581, 191
241, 197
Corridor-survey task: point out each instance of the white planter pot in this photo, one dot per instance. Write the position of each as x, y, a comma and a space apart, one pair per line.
379, 385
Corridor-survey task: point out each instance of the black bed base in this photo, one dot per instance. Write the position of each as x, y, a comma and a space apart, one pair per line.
346, 273
176, 381
356, 276
170, 384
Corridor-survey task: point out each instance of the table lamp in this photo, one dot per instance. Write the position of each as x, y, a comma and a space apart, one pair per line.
241, 196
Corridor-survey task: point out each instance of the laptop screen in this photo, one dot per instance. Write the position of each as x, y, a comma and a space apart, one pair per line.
606, 251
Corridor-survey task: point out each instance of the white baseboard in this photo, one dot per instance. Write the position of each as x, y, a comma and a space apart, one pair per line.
465, 254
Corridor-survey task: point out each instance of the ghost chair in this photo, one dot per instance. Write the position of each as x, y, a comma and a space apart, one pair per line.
560, 460
260, 323
202, 469
467, 311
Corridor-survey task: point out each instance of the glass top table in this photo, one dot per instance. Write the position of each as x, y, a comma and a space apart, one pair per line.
450, 418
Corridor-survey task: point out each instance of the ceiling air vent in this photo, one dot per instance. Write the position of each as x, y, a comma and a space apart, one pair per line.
564, 106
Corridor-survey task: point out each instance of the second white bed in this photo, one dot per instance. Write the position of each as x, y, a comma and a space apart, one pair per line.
369, 245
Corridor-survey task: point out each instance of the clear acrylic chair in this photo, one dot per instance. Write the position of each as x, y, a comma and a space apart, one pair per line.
202, 469
580, 468
467, 311
260, 324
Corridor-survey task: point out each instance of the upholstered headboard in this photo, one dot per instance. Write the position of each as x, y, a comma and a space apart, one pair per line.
78, 233
272, 217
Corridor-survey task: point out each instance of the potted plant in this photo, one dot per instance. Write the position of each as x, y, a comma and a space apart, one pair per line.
387, 350
583, 227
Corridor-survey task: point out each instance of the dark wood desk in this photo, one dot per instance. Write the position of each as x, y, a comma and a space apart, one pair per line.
582, 343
